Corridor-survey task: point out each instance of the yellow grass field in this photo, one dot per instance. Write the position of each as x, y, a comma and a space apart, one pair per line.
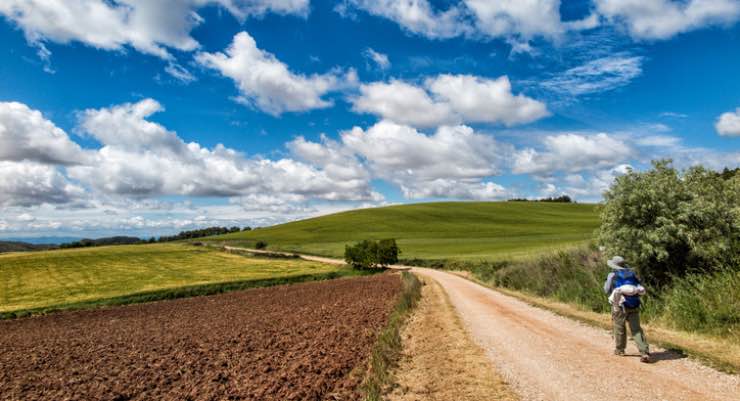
47, 279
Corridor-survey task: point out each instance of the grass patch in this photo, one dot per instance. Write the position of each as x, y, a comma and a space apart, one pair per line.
387, 348
705, 303
185, 292
56, 279
446, 230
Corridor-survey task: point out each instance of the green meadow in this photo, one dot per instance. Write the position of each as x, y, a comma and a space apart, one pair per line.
134, 273
447, 230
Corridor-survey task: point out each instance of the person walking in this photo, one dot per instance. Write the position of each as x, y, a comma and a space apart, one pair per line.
624, 290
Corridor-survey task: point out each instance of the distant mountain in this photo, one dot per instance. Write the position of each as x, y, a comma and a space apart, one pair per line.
15, 246
62, 242
42, 240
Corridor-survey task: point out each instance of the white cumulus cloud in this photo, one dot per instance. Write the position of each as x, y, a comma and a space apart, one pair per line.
451, 163
416, 16
28, 183
516, 21
663, 19
572, 153
149, 26
394, 150
26, 135
143, 158
524, 18
448, 100
455, 189
266, 83
728, 124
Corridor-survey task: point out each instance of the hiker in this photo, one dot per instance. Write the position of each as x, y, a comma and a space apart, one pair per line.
624, 290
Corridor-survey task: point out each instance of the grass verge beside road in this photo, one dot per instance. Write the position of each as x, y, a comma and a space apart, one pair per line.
440, 361
387, 347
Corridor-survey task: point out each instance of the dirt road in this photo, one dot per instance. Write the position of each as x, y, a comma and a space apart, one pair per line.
548, 357
320, 259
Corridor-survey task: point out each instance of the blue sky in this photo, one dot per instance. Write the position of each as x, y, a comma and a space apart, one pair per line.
147, 118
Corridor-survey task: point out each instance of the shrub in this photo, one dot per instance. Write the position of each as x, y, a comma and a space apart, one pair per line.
705, 302
260, 245
387, 252
669, 223
368, 254
574, 276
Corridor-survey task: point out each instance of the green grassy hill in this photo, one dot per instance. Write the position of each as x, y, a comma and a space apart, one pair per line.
449, 230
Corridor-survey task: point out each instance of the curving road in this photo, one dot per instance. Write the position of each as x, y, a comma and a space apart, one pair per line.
550, 358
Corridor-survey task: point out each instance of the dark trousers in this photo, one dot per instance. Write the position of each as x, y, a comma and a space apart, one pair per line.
620, 318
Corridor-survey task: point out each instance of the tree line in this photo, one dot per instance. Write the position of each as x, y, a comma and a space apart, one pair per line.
182, 235
199, 233
557, 199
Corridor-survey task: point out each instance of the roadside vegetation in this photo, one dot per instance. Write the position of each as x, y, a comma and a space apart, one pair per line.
440, 361
679, 230
85, 277
446, 230
387, 349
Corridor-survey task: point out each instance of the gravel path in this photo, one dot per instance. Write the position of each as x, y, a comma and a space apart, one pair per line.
549, 357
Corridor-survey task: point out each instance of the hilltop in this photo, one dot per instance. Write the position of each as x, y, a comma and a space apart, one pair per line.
443, 230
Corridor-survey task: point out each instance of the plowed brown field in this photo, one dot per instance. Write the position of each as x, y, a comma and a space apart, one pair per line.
295, 342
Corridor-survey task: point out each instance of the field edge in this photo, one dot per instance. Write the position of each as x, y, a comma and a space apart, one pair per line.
182, 292
387, 348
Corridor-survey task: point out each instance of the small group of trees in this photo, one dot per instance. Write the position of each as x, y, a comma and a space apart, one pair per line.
557, 199
199, 233
370, 254
668, 223
86, 242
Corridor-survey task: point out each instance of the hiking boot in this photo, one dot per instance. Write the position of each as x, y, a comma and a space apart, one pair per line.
645, 358
619, 352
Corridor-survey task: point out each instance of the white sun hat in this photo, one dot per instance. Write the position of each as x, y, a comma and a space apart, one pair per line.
617, 263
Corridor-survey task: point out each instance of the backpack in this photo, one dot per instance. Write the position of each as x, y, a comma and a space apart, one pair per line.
628, 277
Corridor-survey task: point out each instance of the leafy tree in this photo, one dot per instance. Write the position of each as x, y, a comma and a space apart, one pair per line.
368, 254
729, 173
261, 245
362, 255
387, 252
668, 223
